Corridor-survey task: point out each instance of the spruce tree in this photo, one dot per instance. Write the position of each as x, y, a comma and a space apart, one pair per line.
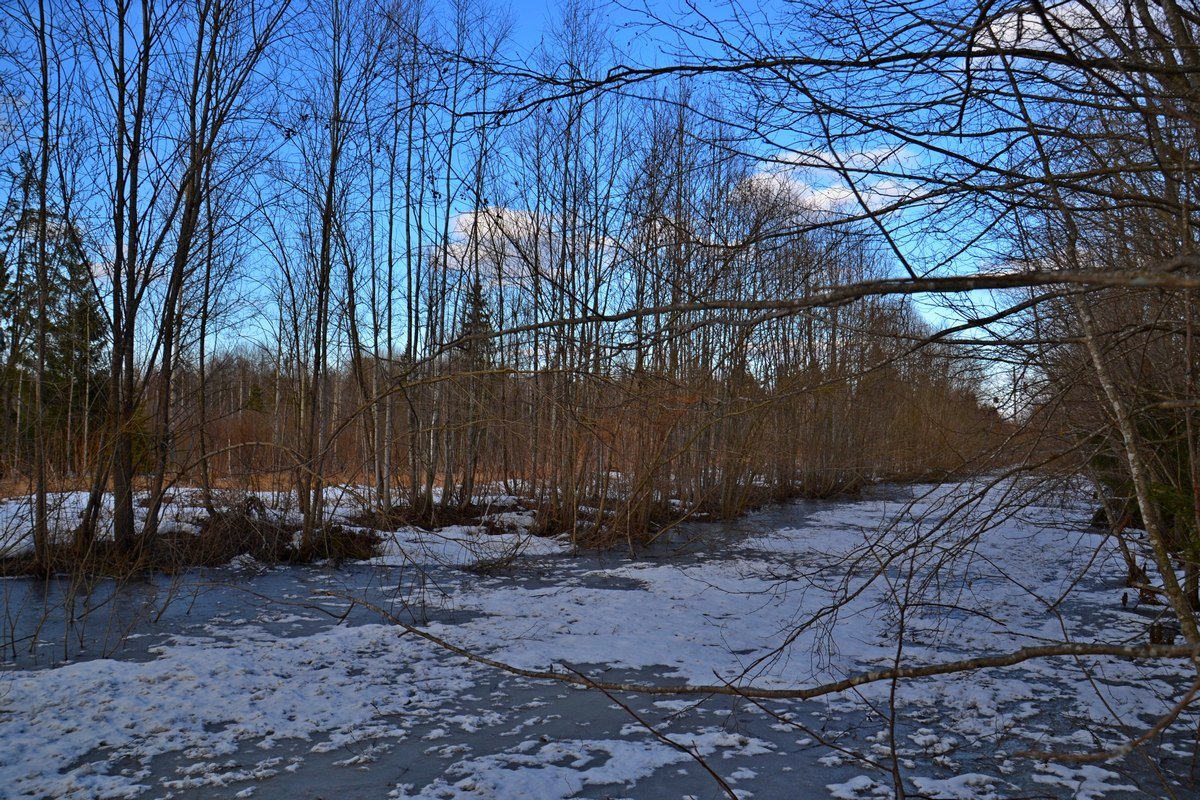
72, 381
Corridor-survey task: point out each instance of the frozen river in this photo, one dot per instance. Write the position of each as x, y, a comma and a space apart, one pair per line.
251, 681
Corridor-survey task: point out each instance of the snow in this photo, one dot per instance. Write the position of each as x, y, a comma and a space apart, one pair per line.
856, 788
16, 519
559, 769
255, 695
207, 696
505, 535
461, 545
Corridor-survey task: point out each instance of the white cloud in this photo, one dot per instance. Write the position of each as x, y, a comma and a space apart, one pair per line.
872, 179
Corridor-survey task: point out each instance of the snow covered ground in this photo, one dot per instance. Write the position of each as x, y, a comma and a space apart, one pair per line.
272, 683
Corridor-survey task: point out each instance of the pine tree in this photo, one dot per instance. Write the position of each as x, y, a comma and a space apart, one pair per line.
75, 331
476, 330
477, 388
15, 322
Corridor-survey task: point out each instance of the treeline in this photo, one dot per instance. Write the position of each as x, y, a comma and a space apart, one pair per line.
273, 244
635, 446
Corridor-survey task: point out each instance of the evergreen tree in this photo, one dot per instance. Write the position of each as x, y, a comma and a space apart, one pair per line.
478, 346
75, 343
75, 357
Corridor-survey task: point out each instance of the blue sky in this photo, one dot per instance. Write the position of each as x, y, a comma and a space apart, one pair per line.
534, 19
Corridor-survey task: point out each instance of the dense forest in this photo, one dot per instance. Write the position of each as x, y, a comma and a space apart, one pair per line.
256, 246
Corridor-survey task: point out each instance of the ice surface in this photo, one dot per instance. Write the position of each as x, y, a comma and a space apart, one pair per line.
260, 687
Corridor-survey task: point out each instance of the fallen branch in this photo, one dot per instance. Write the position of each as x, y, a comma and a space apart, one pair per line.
1013, 658
1128, 747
